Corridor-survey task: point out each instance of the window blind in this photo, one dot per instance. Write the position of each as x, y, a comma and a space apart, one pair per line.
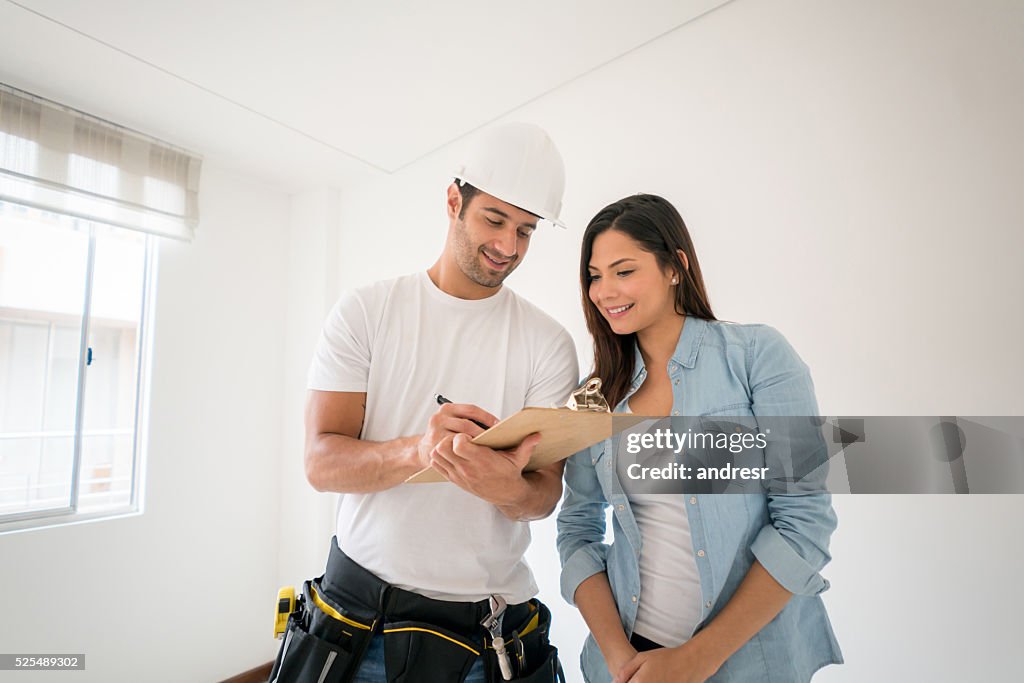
59, 159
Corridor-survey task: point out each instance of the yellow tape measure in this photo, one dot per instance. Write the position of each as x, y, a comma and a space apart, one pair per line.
285, 606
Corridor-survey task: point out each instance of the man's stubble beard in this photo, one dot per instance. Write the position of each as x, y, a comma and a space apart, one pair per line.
467, 257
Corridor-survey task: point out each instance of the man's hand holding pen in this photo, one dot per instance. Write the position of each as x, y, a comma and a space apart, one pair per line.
449, 420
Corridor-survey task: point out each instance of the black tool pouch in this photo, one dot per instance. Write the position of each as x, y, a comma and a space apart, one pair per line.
415, 652
324, 642
534, 658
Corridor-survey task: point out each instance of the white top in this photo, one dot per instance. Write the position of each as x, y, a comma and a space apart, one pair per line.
403, 341
669, 607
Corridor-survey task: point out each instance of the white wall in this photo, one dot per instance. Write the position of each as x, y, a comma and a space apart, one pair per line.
185, 591
306, 516
850, 173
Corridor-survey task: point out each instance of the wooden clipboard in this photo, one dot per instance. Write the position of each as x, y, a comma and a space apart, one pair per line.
563, 432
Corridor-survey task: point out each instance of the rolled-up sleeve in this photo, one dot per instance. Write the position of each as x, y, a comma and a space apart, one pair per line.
793, 546
581, 525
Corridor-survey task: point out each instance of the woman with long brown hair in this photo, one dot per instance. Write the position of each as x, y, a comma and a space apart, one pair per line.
694, 587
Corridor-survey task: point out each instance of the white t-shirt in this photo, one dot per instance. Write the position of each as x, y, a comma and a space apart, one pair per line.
403, 341
669, 607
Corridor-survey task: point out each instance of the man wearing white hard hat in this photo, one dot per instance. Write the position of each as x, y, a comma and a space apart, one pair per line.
426, 582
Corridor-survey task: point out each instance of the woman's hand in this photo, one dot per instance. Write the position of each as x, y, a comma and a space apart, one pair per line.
684, 664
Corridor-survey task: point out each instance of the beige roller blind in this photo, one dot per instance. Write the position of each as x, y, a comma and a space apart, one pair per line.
59, 159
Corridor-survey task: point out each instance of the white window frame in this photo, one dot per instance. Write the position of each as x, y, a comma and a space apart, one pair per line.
36, 519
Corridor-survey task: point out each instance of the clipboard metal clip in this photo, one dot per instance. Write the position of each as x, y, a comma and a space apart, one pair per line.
589, 398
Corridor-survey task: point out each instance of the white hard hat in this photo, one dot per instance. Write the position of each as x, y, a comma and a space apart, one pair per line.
519, 164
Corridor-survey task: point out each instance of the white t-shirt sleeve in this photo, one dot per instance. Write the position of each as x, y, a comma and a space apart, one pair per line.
341, 361
557, 374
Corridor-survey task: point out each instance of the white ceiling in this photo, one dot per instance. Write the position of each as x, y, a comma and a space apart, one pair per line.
312, 92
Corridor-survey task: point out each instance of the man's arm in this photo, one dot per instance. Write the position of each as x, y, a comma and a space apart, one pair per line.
543, 489
336, 459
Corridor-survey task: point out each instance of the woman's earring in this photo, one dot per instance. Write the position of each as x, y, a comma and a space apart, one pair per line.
675, 281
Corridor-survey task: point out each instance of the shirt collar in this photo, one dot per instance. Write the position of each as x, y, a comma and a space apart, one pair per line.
687, 347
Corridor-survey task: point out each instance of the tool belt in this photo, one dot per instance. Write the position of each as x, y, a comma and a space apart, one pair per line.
425, 640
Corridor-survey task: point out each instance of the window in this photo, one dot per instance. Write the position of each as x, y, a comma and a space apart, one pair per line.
83, 204
74, 320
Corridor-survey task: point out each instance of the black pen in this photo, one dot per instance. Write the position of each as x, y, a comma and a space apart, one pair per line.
441, 400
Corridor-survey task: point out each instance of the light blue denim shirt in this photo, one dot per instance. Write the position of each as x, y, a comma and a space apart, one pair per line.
717, 369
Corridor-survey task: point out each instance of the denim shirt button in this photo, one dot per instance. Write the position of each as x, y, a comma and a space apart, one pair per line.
693, 500
708, 604
700, 553
634, 598
621, 507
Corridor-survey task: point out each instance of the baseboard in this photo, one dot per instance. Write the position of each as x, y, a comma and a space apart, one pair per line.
258, 675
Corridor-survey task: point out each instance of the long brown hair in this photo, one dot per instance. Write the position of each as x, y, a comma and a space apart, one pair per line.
659, 229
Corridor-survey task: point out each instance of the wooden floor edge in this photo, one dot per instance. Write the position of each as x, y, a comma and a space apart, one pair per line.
258, 675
